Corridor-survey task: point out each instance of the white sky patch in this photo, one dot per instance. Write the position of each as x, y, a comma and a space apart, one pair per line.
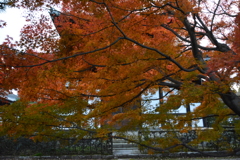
14, 17
15, 21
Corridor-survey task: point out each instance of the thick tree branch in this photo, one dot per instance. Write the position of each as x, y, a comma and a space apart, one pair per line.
72, 56
196, 53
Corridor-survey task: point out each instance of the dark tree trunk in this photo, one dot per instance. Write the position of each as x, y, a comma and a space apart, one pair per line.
232, 101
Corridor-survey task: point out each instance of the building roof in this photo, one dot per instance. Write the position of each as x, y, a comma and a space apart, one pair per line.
12, 97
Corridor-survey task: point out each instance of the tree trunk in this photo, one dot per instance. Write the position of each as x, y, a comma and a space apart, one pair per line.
232, 101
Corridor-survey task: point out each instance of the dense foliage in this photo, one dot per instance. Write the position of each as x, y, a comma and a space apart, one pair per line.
89, 71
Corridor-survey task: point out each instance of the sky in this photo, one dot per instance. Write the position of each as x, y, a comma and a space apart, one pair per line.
15, 21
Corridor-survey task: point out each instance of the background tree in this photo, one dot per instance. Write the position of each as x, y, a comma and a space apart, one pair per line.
113, 52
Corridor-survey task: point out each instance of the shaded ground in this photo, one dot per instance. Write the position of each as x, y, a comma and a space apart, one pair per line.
205, 158
66, 158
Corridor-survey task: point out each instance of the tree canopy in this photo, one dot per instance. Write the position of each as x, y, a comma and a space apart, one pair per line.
87, 67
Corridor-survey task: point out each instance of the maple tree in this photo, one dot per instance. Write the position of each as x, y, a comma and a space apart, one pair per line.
110, 53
